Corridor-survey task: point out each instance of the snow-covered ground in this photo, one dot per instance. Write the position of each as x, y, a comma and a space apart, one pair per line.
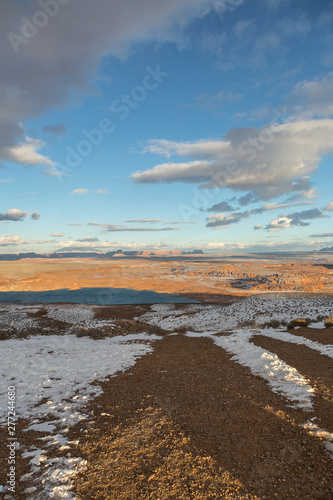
53, 377
259, 309
54, 374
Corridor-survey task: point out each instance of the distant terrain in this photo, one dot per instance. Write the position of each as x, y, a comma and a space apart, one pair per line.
200, 277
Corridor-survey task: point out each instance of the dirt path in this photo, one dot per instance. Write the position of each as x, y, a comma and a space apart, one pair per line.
186, 422
312, 365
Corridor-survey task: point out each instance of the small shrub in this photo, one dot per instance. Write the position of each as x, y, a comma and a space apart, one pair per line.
329, 322
274, 323
181, 329
155, 330
302, 322
84, 331
3, 335
251, 323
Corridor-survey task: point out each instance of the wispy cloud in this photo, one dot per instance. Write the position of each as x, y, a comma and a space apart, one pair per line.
157, 221
87, 191
55, 172
113, 228
144, 221
322, 235
14, 240
88, 239
80, 191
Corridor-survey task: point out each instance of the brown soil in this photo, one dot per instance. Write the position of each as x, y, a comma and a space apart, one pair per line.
312, 365
213, 298
186, 422
323, 336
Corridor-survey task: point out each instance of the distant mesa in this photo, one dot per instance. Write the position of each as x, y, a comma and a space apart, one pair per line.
118, 253
327, 249
79, 253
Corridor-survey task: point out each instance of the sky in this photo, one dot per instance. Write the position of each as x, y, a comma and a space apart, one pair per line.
145, 124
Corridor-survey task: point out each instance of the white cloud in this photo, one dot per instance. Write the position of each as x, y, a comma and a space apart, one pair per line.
55, 172
268, 162
87, 191
261, 246
57, 235
13, 215
329, 207
111, 245
219, 245
222, 220
80, 191
295, 219
279, 223
27, 153
10, 240
89, 239
14, 240
35, 216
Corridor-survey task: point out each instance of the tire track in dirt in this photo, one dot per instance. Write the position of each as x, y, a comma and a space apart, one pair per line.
312, 365
224, 412
323, 336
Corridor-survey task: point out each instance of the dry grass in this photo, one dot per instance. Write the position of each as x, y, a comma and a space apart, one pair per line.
301, 322
149, 459
329, 321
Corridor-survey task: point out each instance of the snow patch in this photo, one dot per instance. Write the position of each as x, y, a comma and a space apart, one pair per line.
326, 436
53, 377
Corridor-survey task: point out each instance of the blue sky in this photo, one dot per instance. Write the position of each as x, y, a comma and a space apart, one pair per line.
142, 125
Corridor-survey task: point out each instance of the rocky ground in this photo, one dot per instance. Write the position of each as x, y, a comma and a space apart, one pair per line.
218, 405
